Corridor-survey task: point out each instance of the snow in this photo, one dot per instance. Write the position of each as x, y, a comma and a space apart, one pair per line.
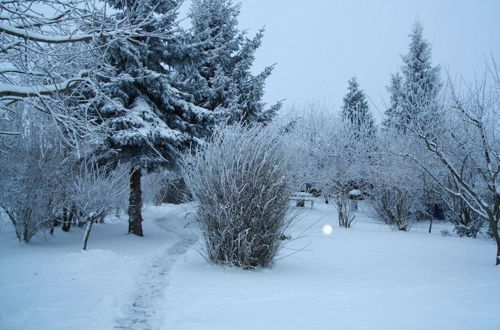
26, 34
355, 192
26, 91
53, 284
365, 277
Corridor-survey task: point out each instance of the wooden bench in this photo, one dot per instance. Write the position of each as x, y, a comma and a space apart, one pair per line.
300, 200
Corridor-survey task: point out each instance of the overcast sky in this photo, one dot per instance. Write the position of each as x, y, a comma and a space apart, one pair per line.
319, 44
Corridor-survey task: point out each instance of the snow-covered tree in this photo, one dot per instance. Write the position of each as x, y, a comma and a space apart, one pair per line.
414, 94
220, 73
48, 53
31, 171
468, 150
392, 113
328, 155
148, 121
93, 192
355, 112
415, 105
396, 188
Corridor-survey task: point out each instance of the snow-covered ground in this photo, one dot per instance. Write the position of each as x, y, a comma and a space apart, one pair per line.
366, 277
53, 284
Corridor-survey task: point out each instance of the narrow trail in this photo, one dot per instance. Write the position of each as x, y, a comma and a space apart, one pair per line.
145, 310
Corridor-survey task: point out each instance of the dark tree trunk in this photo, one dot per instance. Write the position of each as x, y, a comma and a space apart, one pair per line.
26, 239
498, 252
135, 203
66, 221
497, 240
55, 223
496, 236
430, 226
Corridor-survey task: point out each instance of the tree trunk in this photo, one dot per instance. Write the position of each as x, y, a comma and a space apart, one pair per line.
87, 234
354, 204
25, 234
430, 226
496, 235
66, 220
498, 252
497, 240
493, 220
135, 203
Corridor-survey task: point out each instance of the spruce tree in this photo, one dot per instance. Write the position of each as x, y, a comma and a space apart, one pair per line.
393, 113
414, 107
355, 112
146, 121
219, 75
414, 95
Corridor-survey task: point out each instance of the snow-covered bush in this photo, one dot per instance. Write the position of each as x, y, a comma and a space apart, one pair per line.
397, 192
393, 206
466, 222
94, 192
240, 182
32, 178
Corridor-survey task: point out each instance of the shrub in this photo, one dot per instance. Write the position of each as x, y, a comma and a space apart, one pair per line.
466, 222
94, 192
30, 177
394, 206
240, 183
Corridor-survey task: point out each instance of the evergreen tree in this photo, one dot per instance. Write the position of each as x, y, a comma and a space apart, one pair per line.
355, 112
414, 95
145, 119
219, 75
393, 113
414, 105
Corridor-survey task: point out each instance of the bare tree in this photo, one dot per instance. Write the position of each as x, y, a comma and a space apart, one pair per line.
397, 191
95, 192
49, 53
30, 32
331, 156
32, 178
469, 149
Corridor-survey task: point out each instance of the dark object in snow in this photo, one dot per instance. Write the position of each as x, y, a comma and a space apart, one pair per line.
285, 237
315, 192
438, 212
301, 199
308, 188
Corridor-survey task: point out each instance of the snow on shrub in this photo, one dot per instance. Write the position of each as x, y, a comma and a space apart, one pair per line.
95, 191
30, 177
394, 206
240, 183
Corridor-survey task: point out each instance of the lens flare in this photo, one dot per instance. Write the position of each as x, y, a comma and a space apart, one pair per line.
327, 229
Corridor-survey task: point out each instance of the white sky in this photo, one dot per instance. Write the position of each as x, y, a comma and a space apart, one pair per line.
319, 44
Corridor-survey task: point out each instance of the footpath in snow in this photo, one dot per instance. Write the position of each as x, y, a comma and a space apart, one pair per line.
118, 283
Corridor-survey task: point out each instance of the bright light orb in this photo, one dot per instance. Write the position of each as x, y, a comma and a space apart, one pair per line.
327, 229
